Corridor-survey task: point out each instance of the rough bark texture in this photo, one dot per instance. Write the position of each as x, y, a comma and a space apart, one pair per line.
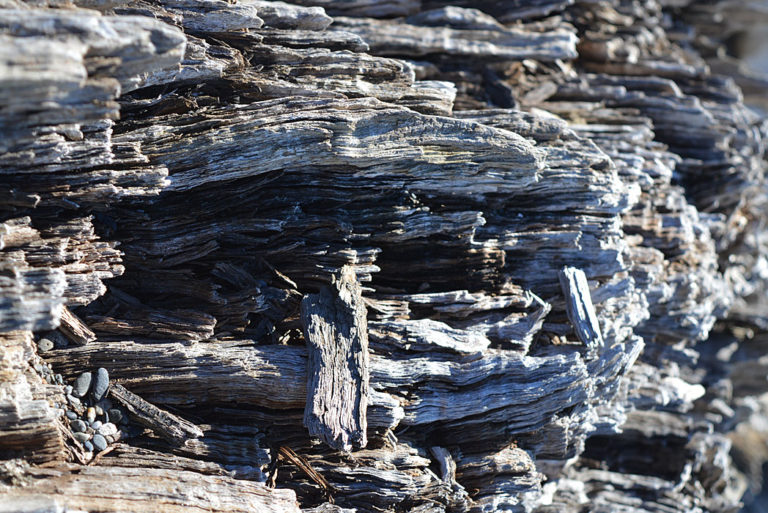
335, 328
382, 256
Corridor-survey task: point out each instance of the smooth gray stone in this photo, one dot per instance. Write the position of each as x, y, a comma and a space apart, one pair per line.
78, 426
96, 425
82, 384
44, 345
71, 415
100, 384
82, 437
88, 446
99, 442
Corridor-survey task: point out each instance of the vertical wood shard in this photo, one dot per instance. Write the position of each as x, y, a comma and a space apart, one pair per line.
578, 303
336, 331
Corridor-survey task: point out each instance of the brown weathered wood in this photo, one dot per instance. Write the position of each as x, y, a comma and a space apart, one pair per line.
336, 330
75, 329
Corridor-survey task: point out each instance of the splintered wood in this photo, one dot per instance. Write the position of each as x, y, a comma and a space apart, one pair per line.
578, 304
167, 425
75, 329
335, 328
181, 174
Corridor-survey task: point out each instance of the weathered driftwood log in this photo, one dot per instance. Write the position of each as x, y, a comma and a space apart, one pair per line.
112, 488
180, 174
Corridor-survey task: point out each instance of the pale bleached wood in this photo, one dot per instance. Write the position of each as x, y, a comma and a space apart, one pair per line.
119, 489
29, 428
581, 312
416, 40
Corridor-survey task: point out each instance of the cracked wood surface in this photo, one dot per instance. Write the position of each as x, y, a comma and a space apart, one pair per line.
336, 330
179, 174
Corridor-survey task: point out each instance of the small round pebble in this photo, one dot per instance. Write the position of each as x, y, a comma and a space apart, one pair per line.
44, 345
90, 414
68, 389
88, 446
82, 384
82, 437
99, 442
100, 384
96, 424
74, 401
78, 426
115, 416
107, 429
71, 415
99, 410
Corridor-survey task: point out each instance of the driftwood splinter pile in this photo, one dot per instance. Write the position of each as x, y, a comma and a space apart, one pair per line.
381, 256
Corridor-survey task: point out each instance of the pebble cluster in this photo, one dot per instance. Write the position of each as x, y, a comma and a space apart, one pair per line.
95, 422
46, 372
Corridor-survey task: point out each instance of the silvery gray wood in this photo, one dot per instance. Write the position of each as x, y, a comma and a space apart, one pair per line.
165, 424
578, 303
336, 331
181, 174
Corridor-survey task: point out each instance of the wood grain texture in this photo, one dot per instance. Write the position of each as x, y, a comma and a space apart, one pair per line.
578, 303
167, 425
336, 330
180, 174
117, 489
75, 329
